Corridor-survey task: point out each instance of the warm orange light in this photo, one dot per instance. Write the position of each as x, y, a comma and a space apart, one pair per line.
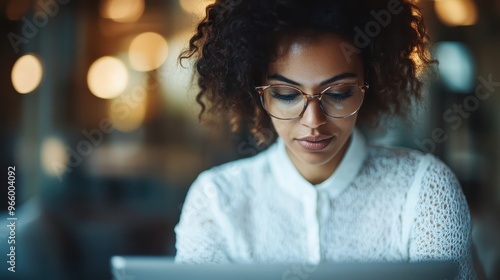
179, 90
122, 10
107, 77
148, 51
17, 8
27, 73
53, 157
128, 112
196, 7
456, 12
419, 63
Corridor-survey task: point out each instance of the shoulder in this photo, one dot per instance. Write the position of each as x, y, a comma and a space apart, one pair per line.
422, 169
401, 157
393, 154
394, 161
429, 183
439, 185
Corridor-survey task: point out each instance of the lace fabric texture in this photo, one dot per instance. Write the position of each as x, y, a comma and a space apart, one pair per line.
400, 205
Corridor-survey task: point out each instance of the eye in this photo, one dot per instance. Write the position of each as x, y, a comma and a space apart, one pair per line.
284, 94
338, 97
338, 94
284, 97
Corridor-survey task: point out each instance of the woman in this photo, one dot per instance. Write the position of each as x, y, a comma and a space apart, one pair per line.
312, 71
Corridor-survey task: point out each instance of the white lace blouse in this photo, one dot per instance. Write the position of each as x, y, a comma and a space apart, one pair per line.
380, 204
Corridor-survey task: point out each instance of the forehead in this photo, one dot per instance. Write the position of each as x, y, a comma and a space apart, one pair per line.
308, 58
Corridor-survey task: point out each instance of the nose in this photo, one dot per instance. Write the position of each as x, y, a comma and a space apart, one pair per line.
313, 115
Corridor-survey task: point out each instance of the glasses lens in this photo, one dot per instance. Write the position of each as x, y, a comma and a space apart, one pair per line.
342, 100
286, 102
283, 102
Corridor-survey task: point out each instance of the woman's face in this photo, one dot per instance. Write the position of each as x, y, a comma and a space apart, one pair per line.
314, 142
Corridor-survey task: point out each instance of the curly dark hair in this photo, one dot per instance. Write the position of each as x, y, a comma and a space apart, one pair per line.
235, 42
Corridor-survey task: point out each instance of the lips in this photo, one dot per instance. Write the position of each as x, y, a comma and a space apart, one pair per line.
315, 142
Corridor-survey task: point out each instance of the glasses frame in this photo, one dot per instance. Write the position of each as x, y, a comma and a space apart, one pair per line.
307, 97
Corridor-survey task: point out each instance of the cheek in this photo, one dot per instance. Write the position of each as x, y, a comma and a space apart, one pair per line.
281, 127
344, 123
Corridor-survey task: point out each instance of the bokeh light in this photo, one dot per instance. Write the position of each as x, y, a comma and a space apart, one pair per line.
456, 66
128, 112
419, 64
53, 156
122, 10
148, 51
27, 73
196, 7
107, 77
456, 12
16, 9
176, 80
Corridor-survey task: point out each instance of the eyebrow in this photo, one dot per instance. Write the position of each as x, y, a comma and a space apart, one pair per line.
333, 79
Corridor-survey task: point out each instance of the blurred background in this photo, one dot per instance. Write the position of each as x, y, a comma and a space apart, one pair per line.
99, 121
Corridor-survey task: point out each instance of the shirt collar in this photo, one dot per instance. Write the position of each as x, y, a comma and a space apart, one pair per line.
292, 181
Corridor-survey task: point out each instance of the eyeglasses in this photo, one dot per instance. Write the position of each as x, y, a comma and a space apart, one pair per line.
287, 102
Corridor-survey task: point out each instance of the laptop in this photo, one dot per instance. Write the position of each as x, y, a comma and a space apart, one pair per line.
156, 268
